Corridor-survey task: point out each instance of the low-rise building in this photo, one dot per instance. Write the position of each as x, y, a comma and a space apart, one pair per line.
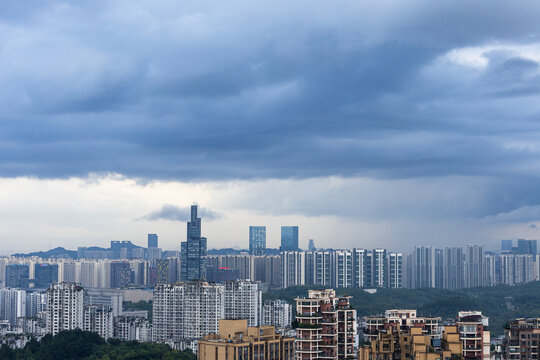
402, 319
474, 335
237, 341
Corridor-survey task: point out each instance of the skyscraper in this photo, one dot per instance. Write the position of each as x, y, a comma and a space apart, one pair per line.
474, 266
45, 274
17, 276
64, 307
423, 267
152, 240
527, 247
193, 251
506, 246
289, 238
257, 240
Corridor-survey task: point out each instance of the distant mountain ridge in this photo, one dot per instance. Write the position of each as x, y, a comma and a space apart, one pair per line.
57, 252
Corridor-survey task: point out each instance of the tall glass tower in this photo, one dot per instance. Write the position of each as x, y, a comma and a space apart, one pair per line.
193, 251
257, 240
289, 238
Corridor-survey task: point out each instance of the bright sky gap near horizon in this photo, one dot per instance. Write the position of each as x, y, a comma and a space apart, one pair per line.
366, 124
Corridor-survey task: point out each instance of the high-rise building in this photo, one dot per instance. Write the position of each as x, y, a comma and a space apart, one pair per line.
193, 251
527, 247
293, 270
289, 238
453, 266
521, 339
98, 319
394, 275
343, 269
326, 326
64, 307
187, 310
506, 246
120, 274
17, 276
110, 298
423, 267
257, 240
243, 300
474, 266
12, 305
439, 268
311, 246
474, 335
516, 269
152, 241
277, 313
45, 274
378, 267
237, 341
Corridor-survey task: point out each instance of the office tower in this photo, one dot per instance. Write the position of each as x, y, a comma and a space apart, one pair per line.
110, 298
243, 300
453, 264
193, 251
44, 275
159, 272
474, 335
474, 266
12, 305
506, 246
120, 274
527, 247
98, 319
17, 276
423, 267
257, 241
521, 339
152, 241
292, 268
187, 310
311, 246
378, 263
277, 313
64, 307
326, 326
342, 276
394, 276
359, 268
439, 268
237, 341
289, 238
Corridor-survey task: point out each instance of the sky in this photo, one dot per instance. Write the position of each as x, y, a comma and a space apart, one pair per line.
367, 124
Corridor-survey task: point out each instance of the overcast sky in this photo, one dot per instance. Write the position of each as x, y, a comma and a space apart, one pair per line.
366, 123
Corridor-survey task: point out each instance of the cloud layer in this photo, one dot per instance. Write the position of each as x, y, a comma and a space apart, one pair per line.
417, 111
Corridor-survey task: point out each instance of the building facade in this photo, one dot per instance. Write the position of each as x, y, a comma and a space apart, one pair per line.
64, 307
193, 251
257, 240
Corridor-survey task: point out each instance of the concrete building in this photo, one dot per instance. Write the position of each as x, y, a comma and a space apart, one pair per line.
474, 266
112, 298
474, 335
293, 270
17, 276
522, 339
98, 319
12, 305
401, 319
243, 300
423, 267
187, 311
412, 343
453, 266
326, 326
237, 341
277, 313
64, 307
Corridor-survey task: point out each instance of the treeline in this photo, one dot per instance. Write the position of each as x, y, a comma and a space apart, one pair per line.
501, 303
83, 345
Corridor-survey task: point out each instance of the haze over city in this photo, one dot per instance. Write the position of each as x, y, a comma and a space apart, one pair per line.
366, 124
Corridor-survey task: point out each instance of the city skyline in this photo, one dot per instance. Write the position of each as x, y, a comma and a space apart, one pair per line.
385, 123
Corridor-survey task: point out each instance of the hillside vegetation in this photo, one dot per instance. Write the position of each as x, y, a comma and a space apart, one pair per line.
500, 303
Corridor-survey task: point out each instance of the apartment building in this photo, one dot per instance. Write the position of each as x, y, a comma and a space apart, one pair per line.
522, 338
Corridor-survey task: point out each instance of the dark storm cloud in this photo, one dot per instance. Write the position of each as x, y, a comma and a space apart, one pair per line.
205, 90
179, 213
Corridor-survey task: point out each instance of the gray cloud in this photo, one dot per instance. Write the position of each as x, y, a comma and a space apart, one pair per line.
208, 91
180, 213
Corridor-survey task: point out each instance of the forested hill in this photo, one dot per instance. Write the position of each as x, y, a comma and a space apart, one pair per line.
82, 345
500, 303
